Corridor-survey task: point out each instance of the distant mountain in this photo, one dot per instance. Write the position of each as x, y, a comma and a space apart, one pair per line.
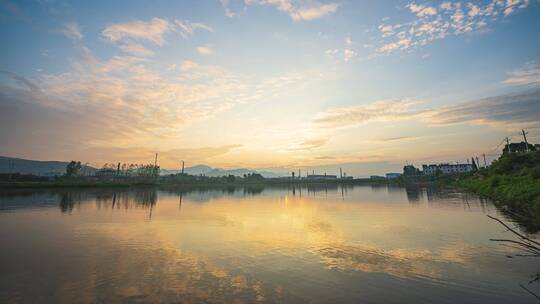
198, 170
36, 167
195, 170
216, 172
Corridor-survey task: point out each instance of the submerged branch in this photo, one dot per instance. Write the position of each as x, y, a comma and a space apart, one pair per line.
514, 231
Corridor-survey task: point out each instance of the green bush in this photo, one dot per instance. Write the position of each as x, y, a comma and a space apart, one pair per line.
535, 172
512, 180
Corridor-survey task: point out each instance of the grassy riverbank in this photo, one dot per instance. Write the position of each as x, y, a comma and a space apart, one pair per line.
512, 181
167, 181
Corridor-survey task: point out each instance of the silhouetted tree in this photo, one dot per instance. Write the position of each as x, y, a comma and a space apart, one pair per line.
254, 176
474, 166
73, 168
410, 170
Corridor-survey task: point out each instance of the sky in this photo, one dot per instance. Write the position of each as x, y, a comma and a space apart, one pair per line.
276, 84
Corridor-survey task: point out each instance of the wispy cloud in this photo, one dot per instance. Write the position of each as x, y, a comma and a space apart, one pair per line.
130, 36
152, 31
205, 50
186, 28
385, 110
432, 23
325, 157
169, 158
299, 10
233, 8
121, 102
398, 138
346, 53
72, 31
136, 49
310, 144
521, 109
529, 74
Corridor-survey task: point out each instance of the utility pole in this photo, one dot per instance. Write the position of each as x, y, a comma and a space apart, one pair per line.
485, 163
508, 145
182, 167
155, 171
340, 173
525, 138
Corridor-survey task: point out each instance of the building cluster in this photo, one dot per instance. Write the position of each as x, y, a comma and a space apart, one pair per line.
446, 169
438, 169
327, 177
322, 177
432, 169
521, 147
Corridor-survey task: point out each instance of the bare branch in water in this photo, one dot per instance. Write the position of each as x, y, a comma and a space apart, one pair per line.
514, 231
526, 244
537, 297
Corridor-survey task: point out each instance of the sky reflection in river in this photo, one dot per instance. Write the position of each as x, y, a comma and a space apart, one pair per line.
369, 244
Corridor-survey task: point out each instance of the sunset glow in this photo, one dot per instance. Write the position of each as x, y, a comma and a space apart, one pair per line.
267, 84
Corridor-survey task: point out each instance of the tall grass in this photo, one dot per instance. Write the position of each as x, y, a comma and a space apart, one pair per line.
513, 180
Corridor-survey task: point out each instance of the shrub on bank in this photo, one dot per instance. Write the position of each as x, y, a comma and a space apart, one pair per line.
512, 180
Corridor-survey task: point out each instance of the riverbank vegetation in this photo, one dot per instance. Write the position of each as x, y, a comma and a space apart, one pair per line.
512, 181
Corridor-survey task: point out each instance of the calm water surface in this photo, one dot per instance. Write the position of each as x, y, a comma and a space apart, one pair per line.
306, 245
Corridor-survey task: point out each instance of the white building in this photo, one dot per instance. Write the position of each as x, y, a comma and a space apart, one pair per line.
393, 175
446, 168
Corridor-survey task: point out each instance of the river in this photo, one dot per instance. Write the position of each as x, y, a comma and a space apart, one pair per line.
317, 244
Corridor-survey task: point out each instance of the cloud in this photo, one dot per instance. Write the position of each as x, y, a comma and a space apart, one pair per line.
348, 54
516, 109
310, 144
152, 31
325, 157
299, 10
512, 5
421, 10
331, 52
520, 109
130, 35
72, 31
186, 28
204, 50
450, 18
311, 13
399, 138
529, 74
233, 8
136, 49
98, 104
385, 110
168, 158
